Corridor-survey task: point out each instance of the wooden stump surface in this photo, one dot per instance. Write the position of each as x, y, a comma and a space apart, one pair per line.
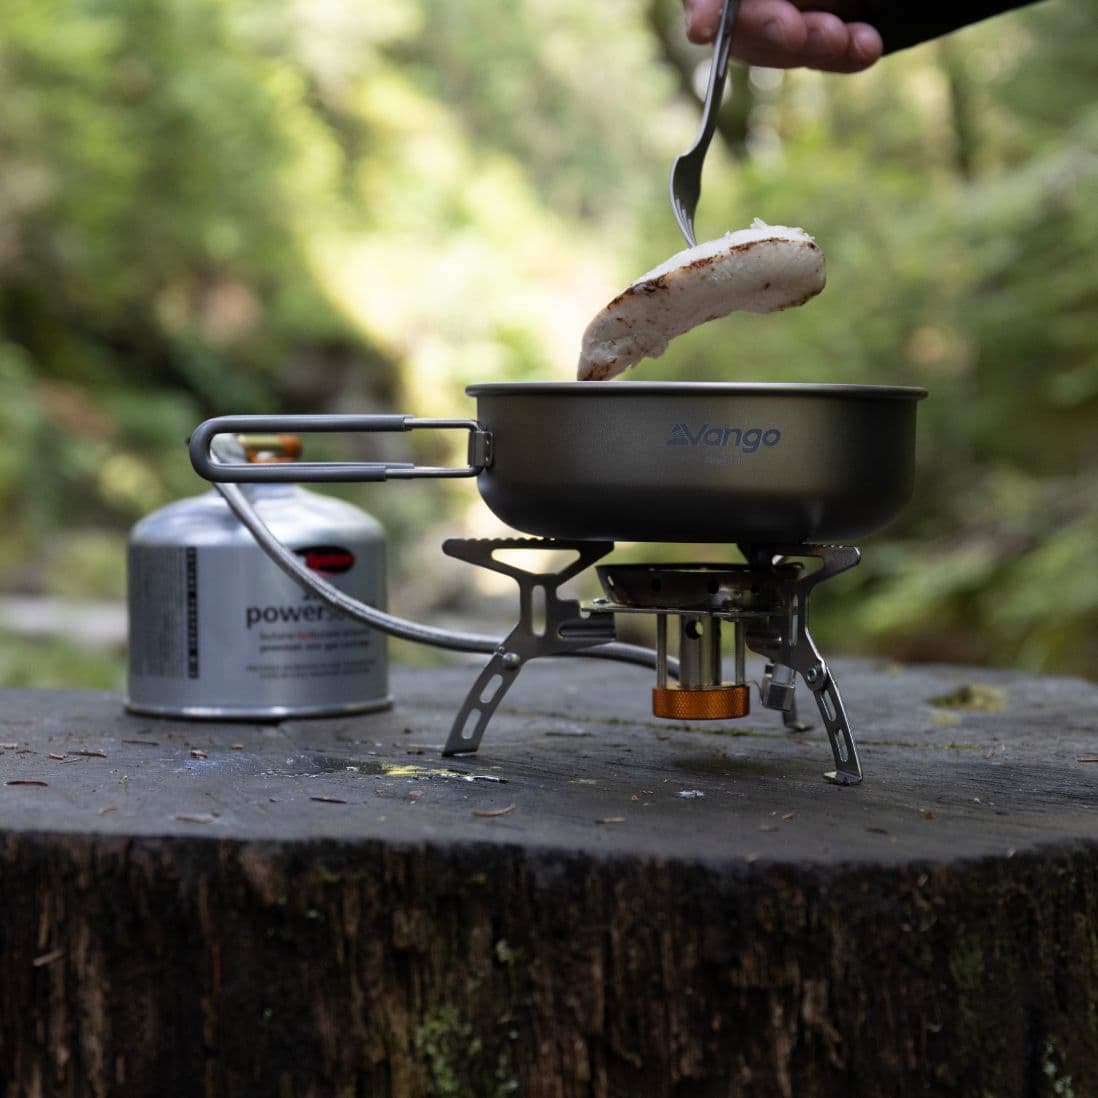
598, 903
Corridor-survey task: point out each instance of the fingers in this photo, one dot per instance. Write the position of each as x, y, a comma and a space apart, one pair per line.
762, 21
776, 34
834, 46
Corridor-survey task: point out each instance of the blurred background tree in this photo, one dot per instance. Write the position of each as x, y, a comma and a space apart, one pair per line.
216, 206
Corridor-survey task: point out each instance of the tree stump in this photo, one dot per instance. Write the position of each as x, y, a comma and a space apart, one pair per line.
598, 903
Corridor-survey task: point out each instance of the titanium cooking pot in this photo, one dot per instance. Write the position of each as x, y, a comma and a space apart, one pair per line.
649, 461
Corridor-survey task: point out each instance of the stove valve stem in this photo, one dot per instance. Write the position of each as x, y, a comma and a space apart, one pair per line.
700, 695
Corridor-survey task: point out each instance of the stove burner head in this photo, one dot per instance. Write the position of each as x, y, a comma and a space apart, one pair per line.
702, 587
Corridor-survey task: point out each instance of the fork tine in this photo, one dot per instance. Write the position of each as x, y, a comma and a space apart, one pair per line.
683, 201
685, 182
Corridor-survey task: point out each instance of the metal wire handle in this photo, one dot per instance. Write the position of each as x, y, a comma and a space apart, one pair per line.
329, 472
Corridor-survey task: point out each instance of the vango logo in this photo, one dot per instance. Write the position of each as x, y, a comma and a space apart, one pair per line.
747, 439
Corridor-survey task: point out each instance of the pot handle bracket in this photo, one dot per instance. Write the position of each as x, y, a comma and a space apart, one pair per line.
214, 468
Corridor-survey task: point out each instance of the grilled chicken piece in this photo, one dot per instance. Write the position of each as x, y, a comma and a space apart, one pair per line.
757, 270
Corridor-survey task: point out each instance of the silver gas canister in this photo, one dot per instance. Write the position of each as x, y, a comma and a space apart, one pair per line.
217, 630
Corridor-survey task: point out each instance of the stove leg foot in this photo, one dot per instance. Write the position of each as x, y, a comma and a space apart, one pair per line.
842, 777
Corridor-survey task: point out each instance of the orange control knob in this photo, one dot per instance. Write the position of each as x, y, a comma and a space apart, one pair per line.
712, 703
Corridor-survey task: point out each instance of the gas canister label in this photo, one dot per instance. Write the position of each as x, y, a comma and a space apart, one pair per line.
301, 613
164, 613
221, 627
329, 560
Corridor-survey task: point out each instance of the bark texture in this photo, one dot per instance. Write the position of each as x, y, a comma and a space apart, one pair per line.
210, 967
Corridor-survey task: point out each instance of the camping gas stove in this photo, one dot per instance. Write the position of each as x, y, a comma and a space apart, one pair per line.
784, 471
763, 603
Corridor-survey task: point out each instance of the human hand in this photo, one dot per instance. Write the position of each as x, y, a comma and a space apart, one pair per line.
778, 34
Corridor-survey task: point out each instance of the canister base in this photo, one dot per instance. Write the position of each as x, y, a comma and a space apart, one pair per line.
264, 713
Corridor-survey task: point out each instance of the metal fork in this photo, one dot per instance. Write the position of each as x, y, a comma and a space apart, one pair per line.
686, 171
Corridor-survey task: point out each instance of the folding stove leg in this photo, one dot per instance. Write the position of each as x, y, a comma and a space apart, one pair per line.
497, 677
778, 693
553, 628
790, 650
848, 771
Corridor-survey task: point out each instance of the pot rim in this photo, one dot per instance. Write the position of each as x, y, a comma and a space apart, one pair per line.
665, 389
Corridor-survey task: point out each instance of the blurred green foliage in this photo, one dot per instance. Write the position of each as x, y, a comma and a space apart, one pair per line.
308, 205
